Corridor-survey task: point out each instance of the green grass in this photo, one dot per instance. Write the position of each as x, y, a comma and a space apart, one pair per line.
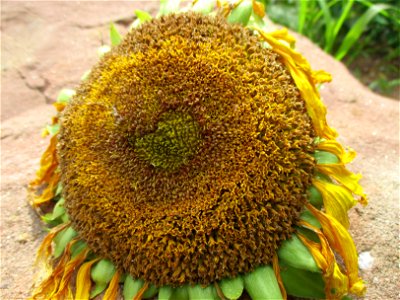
350, 30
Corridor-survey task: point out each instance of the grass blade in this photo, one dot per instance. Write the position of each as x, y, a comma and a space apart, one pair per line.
358, 28
343, 16
329, 23
303, 8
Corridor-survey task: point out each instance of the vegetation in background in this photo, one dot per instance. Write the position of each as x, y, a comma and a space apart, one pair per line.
364, 34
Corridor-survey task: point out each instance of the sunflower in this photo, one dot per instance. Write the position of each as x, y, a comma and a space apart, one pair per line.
194, 161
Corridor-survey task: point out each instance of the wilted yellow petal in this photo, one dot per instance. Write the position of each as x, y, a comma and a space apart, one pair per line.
50, 286
48, 193
277, 271
69, 268
325, 259
345, 177
44, 252
337, 200
259, 8
303, 77
144, 288
336, 148
46, 175
283, 35
83, 282
321, 76
340, 240
112, 290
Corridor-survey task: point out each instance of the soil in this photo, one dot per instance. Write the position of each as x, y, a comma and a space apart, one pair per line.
48, 45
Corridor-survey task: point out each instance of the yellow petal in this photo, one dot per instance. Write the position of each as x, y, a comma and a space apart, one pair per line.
113, 288
83, 282
340, 240
325, 259
304, 78
345, 177
259, 8
46, 175
44, 252
336, 148
277, 271
65, 282
321, 76
144, 288
59, 106
50, 286
337, 200
48, 193
283, 35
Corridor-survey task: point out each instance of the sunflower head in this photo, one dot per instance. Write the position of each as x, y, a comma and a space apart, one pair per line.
193, 155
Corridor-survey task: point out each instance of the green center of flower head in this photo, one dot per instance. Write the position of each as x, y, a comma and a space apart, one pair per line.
172, 144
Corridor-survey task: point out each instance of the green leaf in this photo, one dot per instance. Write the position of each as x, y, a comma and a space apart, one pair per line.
131, 287
232, 288
103, 50
307, 216
181, 293
65, 95
241, 14
150, 292
294, 253
77, 248
85, 75
59, 190
165, 293
143, 16
315, 197
98, 289
308, 233
323, 157
103, 271
204, 6
358, 28
168, 6
115, 36
199, 293
58, 209
62, 239
302, 283
53, 128
261, 284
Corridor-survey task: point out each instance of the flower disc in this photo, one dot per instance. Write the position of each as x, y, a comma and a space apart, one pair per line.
186, 155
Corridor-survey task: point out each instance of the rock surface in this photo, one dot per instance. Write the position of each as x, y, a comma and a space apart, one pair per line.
49, 45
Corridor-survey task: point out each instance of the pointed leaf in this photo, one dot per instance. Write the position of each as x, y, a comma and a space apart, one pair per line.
180, 293
232, 288
168, 6
199, 293
165, 293
323, 157
241, 14
302, 283
131, 287
204, 6
62, 239
261, 284
65, 95
294, 253
142, 15
115, 36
